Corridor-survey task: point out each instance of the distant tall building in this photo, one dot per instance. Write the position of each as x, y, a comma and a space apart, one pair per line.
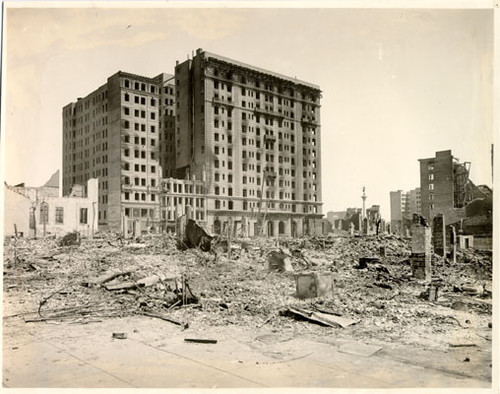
397, 201
254, 137
403, 206
413, 204
445, 186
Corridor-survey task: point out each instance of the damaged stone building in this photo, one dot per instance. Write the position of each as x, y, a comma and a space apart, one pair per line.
40, 211
456, 208
242, 144
445, 187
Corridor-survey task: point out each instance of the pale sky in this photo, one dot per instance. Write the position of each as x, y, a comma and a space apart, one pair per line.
398, 85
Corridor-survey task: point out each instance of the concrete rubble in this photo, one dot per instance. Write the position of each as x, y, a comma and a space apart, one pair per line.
46, 281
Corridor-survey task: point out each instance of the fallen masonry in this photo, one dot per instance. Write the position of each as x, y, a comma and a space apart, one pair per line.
368, 287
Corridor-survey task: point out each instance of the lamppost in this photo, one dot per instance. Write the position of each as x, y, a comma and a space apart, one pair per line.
364, 196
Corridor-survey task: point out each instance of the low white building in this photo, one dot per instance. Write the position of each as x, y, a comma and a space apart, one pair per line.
35, 215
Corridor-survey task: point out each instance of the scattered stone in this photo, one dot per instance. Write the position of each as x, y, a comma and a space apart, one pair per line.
363, 262
251, 293
279, 261
311, 285
196, 236
459, 306
383, 285
472, 289
71, 239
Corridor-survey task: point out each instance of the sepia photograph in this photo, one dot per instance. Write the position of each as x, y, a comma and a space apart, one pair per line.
249, 195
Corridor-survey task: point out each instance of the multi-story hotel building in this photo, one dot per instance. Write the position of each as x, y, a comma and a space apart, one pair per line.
243, 142
254, 136
113, 134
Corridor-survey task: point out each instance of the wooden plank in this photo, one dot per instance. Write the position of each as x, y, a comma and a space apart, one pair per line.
148, 281
107, 277
166, 318
309, 316
463, 344
327, 310
195, 340
121, 286
323, 318
335, 320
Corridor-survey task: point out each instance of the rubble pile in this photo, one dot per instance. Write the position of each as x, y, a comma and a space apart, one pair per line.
244, 283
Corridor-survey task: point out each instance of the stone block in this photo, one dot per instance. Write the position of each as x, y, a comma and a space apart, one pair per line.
421, 239
314, 285
279, 261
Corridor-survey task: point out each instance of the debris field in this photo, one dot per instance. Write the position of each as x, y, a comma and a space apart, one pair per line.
252, 283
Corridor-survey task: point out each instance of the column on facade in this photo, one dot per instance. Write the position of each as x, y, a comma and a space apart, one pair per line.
300, 228
288, 228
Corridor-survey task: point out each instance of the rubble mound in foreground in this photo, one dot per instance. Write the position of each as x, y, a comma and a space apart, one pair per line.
46, 280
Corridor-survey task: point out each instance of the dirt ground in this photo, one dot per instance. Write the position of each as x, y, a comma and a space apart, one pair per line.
45, 283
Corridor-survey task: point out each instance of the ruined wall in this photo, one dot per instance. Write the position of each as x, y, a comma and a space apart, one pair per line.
16, 211
64, 214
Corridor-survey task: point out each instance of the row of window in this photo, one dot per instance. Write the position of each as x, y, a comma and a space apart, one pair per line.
289, 91
139, 140
82, 105
139, 212
268, 120
139, 181
183, 188
140, 197
139, 154
269, 146
59, 215
98, 121
139, 86
138, 167
221, 204
139, 100
170, 215
252, 142
268, 98
141, 114
168, 90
